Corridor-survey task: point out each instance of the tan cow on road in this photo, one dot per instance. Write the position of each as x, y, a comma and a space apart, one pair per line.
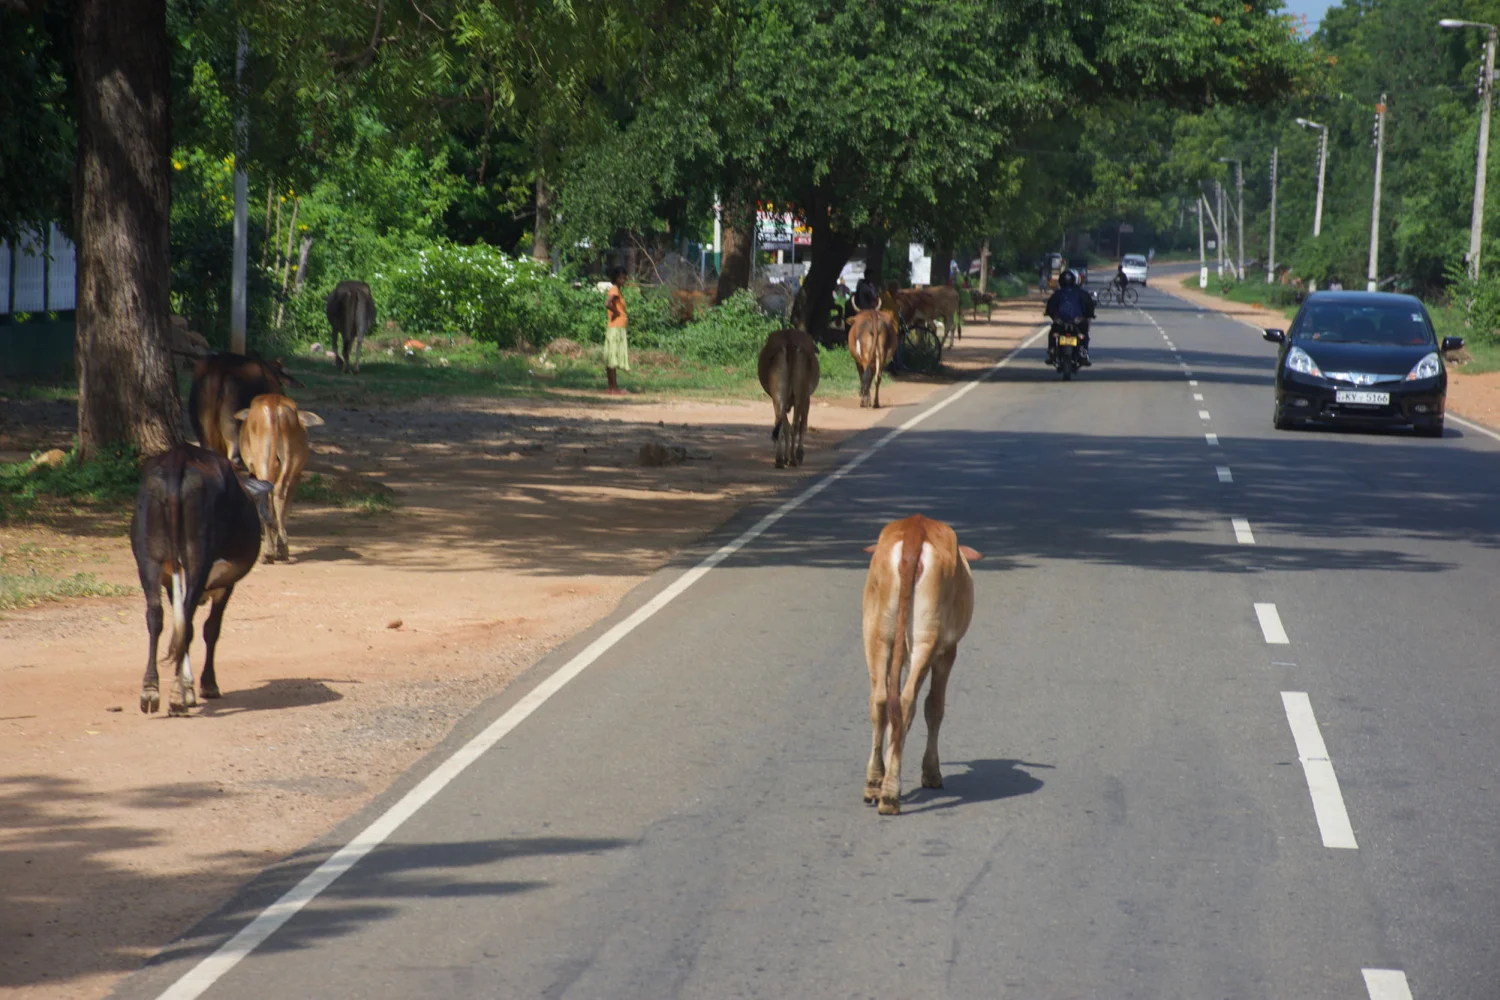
273, 445
919, 597
789, 374
872, 342
931, 304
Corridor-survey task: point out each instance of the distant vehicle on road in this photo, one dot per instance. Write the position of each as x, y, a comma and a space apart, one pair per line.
1135, 267
1368, 358
1080, 266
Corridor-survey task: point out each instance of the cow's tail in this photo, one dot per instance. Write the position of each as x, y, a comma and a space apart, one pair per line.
906, 586
190, 567
781, 381
869, 349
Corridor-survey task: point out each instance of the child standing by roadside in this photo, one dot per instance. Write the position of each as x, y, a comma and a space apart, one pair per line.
616, 351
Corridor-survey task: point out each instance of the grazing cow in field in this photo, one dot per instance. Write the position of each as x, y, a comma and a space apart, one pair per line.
931, 304
872, 342
919, 597
789, 373
351, 313
196, 531
273, 445
223, 385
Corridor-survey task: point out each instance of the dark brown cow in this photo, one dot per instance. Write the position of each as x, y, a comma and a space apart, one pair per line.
919, 598
872, 342
932, 304
223, 385
789, 374
351, 313
196, 531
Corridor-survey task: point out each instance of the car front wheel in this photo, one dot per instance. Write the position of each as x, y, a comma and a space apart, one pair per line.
1280, 420
1431, 430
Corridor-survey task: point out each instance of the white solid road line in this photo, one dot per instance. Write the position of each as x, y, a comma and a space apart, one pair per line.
1471, 425
1212, 439
1225, 476
1242, 532
1270, 624
1322, 783
1203, 415
1386, 984
207, 972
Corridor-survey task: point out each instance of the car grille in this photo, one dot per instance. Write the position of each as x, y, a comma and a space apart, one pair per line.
1361, 378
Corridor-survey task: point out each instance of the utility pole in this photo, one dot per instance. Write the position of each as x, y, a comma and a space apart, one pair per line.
241, 204
1202, 262
1372, 280
1239, 218
1219, 221
1486, 87
1312, 285
1271, 250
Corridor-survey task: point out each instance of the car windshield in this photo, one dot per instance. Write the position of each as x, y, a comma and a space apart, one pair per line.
1133, 261
1363, 323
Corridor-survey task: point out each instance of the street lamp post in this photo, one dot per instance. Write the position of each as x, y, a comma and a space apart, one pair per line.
1271, 249
1322, 167
1486, 85
1239, 212
1372, 280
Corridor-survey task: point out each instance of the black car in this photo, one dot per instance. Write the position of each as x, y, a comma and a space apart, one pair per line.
1362, 358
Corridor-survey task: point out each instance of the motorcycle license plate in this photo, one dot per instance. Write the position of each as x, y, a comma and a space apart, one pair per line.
1065, 340
1365, 398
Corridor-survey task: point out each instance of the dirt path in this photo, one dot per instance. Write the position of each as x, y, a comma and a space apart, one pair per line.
520, 523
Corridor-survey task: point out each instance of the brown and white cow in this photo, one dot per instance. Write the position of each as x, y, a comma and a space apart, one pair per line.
930, 305
919, 597
196, 531
223, 385
872, 342
789, 374
351, 313
273, 445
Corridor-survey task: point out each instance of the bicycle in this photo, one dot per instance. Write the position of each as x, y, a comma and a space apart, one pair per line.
1113, 295
918, 346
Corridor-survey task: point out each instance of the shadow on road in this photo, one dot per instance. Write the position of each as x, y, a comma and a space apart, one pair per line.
982, 781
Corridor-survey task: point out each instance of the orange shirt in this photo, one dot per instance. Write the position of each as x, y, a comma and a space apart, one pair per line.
614, 302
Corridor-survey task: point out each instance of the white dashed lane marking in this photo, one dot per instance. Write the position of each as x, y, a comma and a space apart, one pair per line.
1322, 783
1242, 533
1225, 476
1203, 415
1270, 624
1386, 984
1212, 439
1197, 397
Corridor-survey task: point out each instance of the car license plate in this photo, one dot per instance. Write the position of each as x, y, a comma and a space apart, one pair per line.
1066, 341
1363, 398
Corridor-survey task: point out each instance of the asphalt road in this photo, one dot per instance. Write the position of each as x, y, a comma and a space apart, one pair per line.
1129, 810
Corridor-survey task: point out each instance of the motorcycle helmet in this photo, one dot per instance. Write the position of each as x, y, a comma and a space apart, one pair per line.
1068, 279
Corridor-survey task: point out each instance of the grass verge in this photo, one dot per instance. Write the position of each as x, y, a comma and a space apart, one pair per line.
361, 497
24, 590
1276, 300
104, 484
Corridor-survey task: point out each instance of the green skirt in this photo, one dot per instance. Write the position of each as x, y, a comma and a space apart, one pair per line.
616, 353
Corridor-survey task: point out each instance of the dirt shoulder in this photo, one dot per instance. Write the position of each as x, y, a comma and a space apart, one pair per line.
1473, 397
519, 524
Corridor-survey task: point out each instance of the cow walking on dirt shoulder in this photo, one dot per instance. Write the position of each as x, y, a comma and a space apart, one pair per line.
872, 342
351, 313
223, 385
919, 597
789, 374
196, 531
273, 444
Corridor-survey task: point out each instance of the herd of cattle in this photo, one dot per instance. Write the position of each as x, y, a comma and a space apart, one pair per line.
199, 526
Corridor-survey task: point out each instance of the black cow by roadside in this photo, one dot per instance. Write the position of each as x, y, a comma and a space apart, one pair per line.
196, 530
351, 313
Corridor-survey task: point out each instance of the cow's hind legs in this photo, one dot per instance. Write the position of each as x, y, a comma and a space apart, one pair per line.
150, 684
937, 695
183, 697
208, 684
875, 770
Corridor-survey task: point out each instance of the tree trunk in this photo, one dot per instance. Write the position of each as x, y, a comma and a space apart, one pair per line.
734, 270
127, 392
984, 267
830, 252
307, 242
942, 255
540, 250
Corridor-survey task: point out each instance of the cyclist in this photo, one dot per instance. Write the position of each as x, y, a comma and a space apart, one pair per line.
1070, 306
1120, 280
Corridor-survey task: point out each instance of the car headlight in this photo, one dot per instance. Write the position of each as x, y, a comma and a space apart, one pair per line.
1428, 367
1297, 360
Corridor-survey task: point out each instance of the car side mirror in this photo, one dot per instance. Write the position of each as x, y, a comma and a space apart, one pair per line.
1275, 336
1452, 344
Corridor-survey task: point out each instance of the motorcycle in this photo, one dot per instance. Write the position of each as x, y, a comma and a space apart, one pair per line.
1066, 344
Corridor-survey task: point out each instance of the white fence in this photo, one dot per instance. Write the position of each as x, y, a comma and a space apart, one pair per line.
38, 275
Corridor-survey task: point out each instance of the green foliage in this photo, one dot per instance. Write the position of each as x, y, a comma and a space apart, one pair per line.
36, 151
24, 590
731, 334
1479, 303
107, 481
481, 292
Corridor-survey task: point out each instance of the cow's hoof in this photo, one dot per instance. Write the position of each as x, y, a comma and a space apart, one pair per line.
872, 795
933, 780
800, 455
150, 700
177, 710
890, 807
209, 691
268, 557
780, 462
